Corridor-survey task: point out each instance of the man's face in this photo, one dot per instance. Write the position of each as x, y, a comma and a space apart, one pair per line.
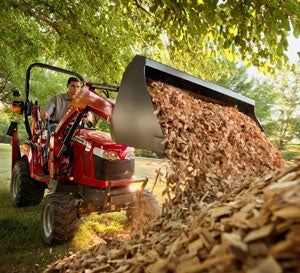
73, 89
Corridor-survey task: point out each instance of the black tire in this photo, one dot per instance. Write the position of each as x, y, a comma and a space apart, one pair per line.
144, 209
24, 190
58, 218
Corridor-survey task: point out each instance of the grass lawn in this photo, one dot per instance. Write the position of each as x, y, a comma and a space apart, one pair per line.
22, 248
292, 151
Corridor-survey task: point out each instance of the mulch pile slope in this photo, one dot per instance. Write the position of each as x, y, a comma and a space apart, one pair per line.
233, 206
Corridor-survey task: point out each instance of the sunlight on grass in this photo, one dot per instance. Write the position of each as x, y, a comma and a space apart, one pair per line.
96, 228
292, 151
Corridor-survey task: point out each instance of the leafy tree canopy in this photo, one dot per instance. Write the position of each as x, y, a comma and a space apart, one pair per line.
257, 30
100, 36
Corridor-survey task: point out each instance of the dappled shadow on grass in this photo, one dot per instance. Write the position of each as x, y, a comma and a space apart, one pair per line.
22, 248
19, 229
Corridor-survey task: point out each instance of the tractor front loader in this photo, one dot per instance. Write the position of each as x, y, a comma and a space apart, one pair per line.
134, 121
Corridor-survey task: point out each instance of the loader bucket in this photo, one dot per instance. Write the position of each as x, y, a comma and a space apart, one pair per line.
134, 122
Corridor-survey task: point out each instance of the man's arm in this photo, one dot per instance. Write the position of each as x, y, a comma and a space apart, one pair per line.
48, 110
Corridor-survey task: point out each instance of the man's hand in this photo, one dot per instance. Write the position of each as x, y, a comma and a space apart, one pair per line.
44, 115
88, 119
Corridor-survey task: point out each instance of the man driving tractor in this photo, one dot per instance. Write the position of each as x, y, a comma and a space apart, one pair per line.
56, 107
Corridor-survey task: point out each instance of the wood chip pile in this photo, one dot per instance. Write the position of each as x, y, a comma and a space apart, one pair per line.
227, 211
255, 229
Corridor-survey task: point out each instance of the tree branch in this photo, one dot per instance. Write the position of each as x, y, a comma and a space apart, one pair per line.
139, 6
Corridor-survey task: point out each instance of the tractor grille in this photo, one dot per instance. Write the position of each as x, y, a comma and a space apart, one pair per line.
113, 169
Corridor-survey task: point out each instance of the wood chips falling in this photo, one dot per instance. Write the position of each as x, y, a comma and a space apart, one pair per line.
234, 206
212, 148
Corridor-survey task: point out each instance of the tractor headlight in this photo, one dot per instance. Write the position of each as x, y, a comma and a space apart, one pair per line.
129, 155
114, 155
110, 155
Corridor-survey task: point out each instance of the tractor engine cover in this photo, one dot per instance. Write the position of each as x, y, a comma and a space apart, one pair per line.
97, 159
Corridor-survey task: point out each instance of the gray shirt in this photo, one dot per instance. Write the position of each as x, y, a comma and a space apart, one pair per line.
56, 106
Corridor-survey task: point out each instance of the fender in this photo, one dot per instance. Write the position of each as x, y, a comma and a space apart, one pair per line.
16, 153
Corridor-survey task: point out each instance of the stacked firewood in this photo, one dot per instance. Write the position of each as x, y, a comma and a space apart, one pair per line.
232, 205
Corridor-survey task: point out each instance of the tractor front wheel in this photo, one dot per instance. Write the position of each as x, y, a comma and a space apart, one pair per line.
24, 190
58, 218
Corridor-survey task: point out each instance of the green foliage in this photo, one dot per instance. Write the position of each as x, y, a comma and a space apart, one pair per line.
99, 37
94, 38
285, 123
6, 117
5, 169
291, 151
145, 153
4, 124
257, 30
101, 125
259, 90
9, 75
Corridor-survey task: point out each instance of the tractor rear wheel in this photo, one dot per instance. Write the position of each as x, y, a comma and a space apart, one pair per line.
144, 208
58, 218
24, 190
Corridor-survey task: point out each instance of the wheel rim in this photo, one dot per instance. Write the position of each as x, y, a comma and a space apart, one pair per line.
48, 221
15, 185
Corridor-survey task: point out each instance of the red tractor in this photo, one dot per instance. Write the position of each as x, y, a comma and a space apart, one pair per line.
86, 170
